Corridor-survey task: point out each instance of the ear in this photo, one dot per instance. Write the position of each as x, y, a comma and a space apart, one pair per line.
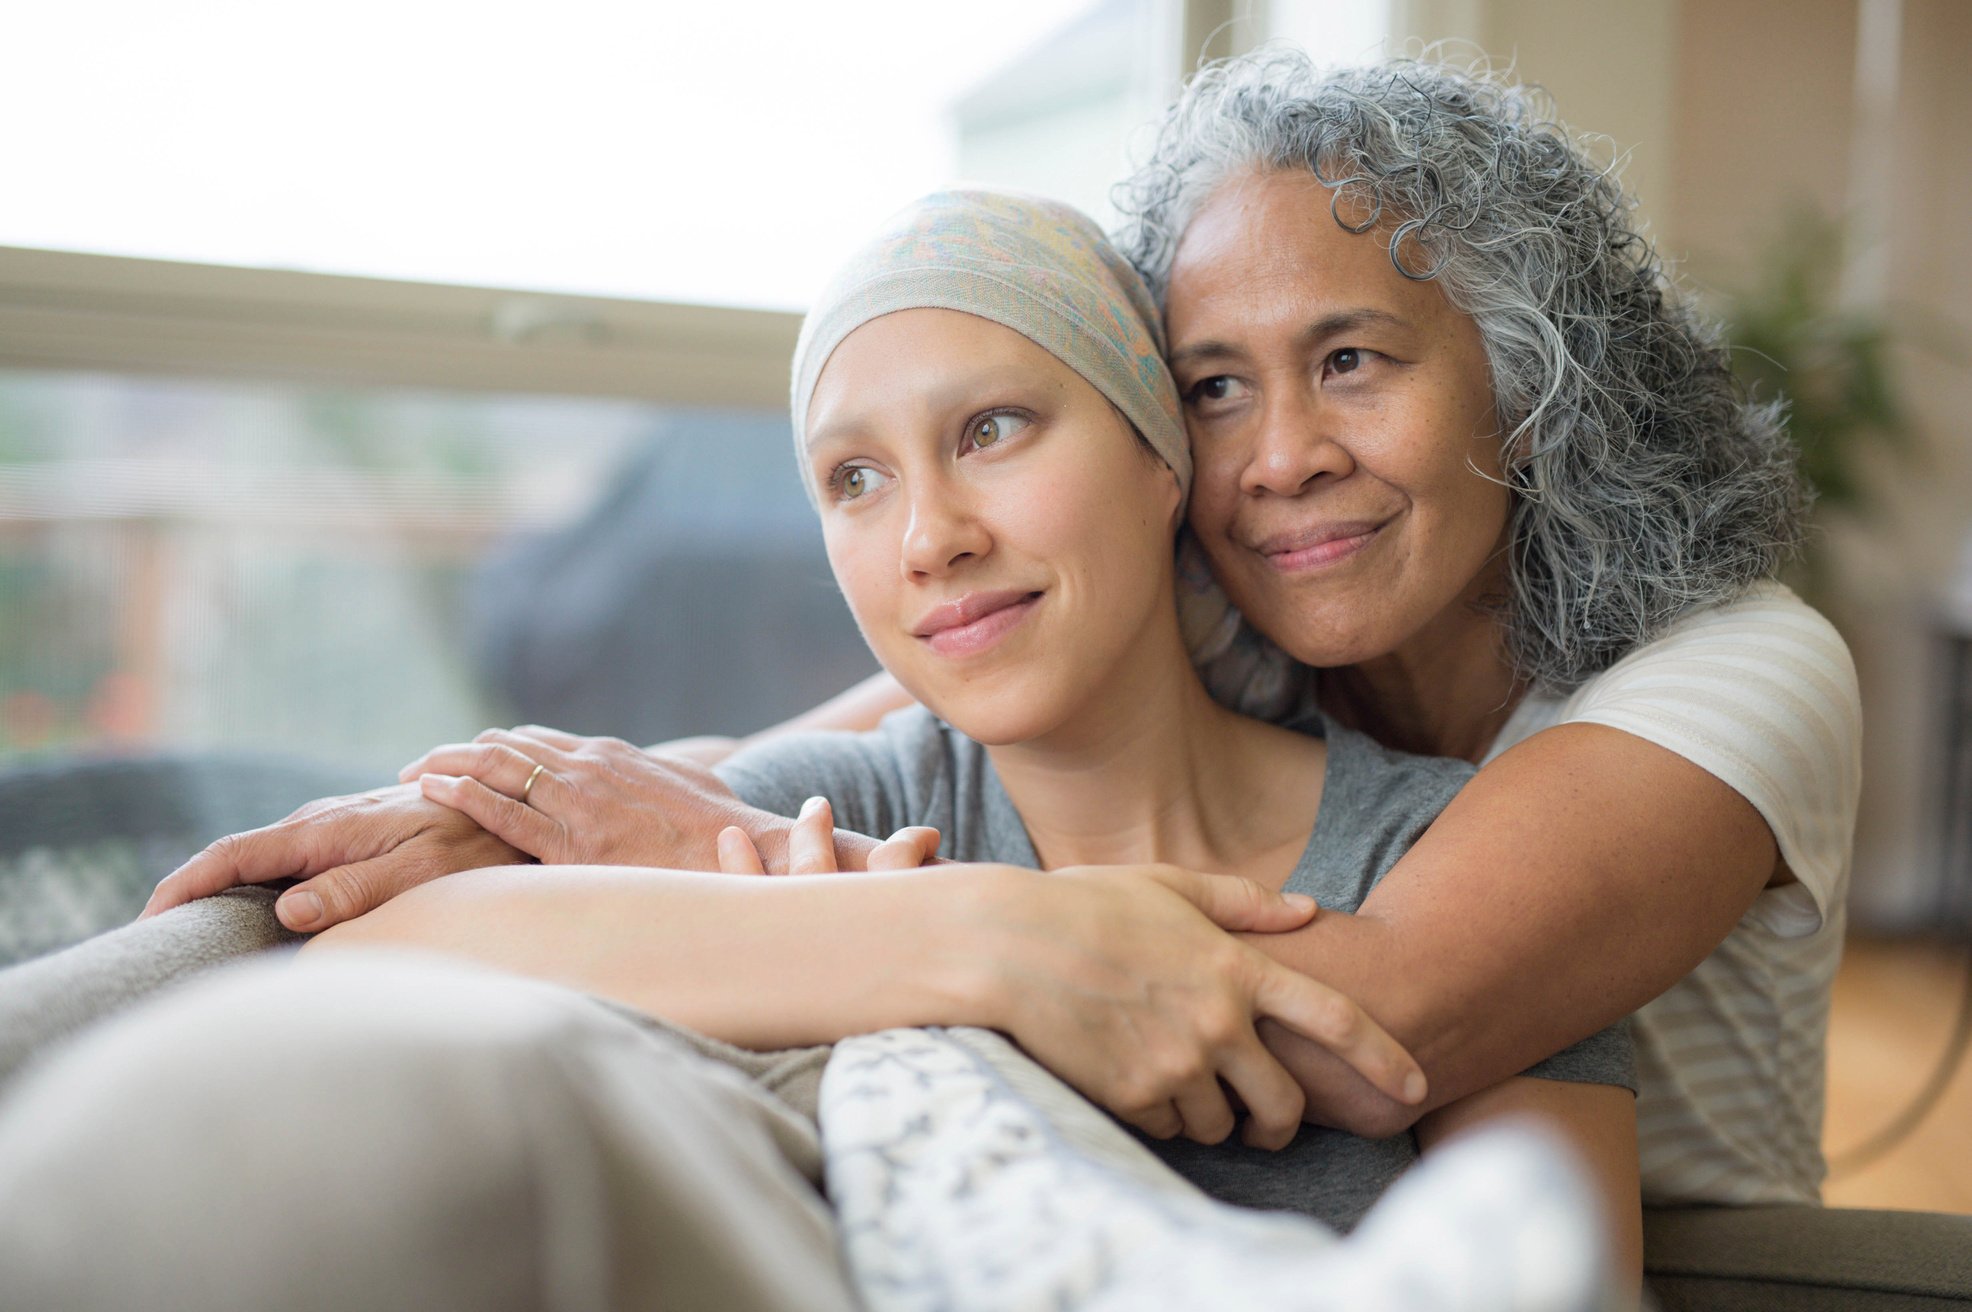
1175, 497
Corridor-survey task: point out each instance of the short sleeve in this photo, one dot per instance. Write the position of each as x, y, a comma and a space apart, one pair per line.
1761, 693
1605, 1057
868, 778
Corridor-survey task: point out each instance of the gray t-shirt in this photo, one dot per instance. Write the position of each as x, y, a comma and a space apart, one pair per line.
915, 770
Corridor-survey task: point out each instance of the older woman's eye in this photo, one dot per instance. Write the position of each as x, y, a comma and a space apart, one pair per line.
1347, 360
991, 430
1206, 391
855, 481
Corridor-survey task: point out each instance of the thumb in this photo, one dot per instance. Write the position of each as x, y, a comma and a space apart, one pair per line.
343, 893
907, 849
1240, 905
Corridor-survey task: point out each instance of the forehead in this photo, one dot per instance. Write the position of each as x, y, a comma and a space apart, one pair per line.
925, 356
1271, 242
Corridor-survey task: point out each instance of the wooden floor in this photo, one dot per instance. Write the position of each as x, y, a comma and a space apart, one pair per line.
1894, 1007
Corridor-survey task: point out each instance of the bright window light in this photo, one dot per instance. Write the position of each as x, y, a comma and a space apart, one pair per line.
719, 153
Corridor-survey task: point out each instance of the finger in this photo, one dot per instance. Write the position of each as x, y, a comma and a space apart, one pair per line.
518, 825
1160, 1121
280, 851
1241, 905
1204, 1112
500, 767
1319, 1013
559, 739
345, 893
1274, 1101
907, 849
737, 854
423, 765
553, 755
811, 843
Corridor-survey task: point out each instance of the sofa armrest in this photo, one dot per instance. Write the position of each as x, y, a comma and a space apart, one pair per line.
1806, 1259
45, 1000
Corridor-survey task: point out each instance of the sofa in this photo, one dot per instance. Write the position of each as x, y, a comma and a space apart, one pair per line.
83, 841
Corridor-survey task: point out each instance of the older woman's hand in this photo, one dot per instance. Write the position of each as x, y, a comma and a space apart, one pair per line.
1128, 983
569, 800
353, 854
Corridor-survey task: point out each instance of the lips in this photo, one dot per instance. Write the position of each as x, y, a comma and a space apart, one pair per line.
975, 621
1312, 546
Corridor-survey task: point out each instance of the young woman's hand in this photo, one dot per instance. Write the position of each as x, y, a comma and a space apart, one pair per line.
352, 853
811, 846
1127, 983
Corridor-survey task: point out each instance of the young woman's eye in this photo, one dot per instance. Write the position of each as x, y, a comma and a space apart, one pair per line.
853, 482
993, 429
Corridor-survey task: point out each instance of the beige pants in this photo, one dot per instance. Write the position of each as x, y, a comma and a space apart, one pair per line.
373, 1131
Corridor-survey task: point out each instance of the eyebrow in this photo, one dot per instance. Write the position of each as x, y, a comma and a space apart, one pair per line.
957, 395
1329, 325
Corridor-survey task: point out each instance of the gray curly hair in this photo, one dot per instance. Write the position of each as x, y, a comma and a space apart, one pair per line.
1644, 482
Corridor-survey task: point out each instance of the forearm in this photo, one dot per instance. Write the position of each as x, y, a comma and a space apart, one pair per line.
1572, 881
1596, 1121
759, 963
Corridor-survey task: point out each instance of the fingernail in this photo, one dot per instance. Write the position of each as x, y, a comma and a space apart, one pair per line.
303, 909
808, 807
1414, 1087
1299, 901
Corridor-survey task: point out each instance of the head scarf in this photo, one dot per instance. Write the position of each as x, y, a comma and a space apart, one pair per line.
1039, 267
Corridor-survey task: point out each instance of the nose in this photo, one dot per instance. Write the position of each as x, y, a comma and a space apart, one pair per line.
942, 531
1295, 442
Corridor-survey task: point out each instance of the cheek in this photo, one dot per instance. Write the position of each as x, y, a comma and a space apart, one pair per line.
1214, 496
865, 568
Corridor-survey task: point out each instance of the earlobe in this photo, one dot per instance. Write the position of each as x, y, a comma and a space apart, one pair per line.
1176, 519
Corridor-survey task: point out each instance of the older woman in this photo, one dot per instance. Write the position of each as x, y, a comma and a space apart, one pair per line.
1458, 450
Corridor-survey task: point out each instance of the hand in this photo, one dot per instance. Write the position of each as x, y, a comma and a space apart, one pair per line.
811, 846
593, 801
1127, 983
706, 749
353, 854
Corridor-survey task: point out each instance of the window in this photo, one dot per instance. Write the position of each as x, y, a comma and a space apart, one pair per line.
373, 372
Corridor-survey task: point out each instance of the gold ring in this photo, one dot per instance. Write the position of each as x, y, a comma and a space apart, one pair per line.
528, 787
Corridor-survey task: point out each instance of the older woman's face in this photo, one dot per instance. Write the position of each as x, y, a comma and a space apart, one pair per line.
1342, 425
1002, 538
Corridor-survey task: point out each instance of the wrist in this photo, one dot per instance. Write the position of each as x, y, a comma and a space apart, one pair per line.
979, 945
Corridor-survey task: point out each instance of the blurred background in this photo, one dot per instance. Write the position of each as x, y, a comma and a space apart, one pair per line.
375, 372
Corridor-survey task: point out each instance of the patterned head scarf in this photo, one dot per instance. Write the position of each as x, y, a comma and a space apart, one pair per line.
1036, 266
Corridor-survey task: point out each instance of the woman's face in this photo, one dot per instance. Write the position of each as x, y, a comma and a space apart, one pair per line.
1342, 426
1003, 539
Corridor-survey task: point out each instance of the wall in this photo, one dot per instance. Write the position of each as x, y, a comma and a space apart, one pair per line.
1728, 114
1768, 116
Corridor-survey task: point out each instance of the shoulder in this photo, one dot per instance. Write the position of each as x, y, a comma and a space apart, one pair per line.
877, 781
1768, 642
1375, 804
1760, 692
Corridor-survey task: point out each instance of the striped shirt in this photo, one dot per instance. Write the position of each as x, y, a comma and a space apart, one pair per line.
1762, 693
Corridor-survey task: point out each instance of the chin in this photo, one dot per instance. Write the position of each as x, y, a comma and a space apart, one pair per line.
1002, 717
1324, 637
